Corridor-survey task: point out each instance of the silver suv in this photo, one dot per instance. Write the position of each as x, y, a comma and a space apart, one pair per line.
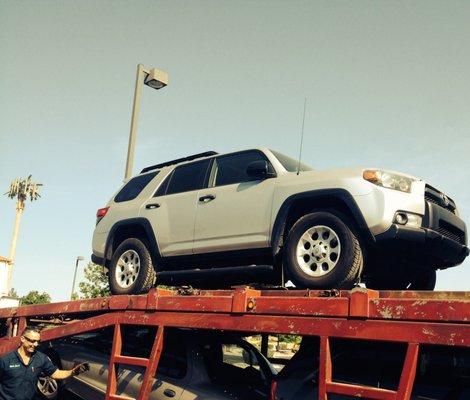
218, 216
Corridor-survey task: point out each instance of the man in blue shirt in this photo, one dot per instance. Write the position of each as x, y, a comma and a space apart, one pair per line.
20, 369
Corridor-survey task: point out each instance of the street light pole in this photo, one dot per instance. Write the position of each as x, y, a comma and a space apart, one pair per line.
156, 79
79, 258
139, 80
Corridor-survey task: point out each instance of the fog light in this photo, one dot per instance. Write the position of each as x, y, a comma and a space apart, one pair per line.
401, 218
408, 219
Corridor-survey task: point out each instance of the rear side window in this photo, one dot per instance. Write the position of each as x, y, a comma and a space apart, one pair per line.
188, 177
232, 169
133, 188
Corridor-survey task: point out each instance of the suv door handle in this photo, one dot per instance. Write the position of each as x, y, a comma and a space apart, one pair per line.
169, 393
152, 206
207, 198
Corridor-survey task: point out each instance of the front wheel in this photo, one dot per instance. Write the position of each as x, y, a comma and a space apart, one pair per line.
322, 252
131, 269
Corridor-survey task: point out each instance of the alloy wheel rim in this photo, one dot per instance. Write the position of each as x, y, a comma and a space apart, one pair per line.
318, 250
47, 385
127, 269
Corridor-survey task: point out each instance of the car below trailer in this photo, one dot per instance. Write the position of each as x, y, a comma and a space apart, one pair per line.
415, 319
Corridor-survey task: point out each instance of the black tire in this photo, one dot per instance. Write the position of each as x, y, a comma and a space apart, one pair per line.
141, 280
347, 266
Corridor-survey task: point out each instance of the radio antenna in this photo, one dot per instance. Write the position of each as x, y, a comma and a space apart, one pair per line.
302, 136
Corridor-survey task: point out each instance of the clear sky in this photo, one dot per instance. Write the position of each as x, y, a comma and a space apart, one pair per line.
388, 85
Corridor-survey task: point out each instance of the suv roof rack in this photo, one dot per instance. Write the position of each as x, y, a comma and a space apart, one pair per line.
179, 160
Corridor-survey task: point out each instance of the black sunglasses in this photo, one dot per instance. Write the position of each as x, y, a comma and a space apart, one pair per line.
31, 340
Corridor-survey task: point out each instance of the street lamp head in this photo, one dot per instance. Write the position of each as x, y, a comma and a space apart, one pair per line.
156, 79
80, 258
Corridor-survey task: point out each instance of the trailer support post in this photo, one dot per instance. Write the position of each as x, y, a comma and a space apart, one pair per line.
152, 365
324, 377
409, 372
112, 369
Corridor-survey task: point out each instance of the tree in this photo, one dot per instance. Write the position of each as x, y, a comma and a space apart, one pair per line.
34, 297
95, 284
12, 293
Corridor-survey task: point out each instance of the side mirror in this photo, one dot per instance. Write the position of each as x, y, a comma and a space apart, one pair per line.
259, 169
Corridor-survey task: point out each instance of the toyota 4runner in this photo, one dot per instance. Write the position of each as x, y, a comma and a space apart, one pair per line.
241, 212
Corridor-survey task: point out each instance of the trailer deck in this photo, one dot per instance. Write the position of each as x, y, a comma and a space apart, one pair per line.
414, 318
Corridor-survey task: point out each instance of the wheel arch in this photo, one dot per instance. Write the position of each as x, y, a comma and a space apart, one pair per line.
297, 205
131, 228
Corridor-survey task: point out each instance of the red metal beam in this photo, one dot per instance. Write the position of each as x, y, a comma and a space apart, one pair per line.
112, 369
358, 303
395, 331
152, 366
362, 391
324, 373
409, 372
420, 309
73, 328
116, 397
138, 361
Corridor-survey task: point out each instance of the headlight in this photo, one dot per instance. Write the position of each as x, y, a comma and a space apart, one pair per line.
389, 180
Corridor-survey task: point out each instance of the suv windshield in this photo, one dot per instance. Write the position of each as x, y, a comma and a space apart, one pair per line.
290, 164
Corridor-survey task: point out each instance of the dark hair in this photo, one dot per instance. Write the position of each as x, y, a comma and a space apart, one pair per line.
31, 329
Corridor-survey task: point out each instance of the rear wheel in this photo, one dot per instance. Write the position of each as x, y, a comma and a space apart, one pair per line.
131, 269
322, 252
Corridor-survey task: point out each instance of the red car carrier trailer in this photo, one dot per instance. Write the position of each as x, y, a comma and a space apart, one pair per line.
415, 319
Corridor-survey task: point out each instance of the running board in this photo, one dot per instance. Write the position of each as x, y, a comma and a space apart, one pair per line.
213, 273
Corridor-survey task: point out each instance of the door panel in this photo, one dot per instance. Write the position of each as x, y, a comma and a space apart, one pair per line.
235, 212
131, 380
172, 211
172, 222
238, 217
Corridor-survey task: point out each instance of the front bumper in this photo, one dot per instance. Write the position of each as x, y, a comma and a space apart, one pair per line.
441, 241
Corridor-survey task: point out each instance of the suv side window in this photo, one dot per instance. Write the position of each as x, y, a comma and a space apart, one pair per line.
133, 188
100, 340
232, 168
138, 342
187, 177
161, 191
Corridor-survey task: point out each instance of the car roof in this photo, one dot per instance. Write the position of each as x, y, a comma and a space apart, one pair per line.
206, 154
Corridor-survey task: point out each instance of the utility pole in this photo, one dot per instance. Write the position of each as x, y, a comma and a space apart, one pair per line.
21, 190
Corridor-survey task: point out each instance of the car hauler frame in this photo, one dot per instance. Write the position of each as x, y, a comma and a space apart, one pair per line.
414, 318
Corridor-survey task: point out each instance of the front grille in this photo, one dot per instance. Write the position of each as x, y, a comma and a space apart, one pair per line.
451, 232
435, 196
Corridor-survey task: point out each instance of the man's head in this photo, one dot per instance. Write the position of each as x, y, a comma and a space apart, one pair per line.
30, 339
